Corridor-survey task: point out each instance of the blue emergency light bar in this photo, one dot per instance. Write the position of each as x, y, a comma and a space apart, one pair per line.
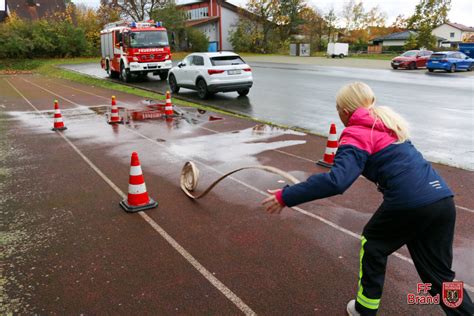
133, 24
159, 24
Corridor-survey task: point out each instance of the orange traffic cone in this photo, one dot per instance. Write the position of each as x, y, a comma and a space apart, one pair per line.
168, 106
58, 119
114, 113
138, 199
331, 148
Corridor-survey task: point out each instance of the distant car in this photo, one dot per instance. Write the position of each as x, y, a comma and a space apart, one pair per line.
209, 73
412, 59
450, 61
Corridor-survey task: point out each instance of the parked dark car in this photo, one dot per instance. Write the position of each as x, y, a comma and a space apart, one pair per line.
411, 59
450, 61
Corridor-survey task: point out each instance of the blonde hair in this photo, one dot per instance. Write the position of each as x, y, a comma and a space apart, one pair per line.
359, 95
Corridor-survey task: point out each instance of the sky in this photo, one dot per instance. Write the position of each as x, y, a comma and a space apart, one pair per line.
462, 11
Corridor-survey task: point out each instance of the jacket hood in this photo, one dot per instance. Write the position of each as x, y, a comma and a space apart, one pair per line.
362, 117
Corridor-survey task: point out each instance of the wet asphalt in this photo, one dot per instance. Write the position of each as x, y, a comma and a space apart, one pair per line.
72, 250
438, 106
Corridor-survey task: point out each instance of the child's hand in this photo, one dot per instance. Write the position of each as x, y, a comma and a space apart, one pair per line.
271, 203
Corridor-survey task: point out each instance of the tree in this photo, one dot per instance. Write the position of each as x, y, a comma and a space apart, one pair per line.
137, 10
174, 20
331, 20
430, 14
374, 18
399, 24
425, 39
411, 43
197, 41
290, 15
353, 15
314, 27
267, 15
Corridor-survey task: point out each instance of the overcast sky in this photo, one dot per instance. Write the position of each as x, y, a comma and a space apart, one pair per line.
462, 11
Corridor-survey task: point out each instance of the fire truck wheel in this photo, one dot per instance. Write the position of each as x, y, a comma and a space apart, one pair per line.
163, 76
124, 74
173, 84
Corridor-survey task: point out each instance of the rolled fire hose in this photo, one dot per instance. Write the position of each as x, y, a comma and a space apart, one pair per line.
190, 177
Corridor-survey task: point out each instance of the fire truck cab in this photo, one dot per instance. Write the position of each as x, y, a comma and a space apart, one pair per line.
135, 48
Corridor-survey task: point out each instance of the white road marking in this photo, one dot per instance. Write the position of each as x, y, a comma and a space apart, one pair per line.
183, 252
300, 210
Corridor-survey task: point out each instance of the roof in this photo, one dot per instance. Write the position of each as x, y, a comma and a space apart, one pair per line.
217, 54
201, 21
396, 36
223, 3
460, 27
35, 9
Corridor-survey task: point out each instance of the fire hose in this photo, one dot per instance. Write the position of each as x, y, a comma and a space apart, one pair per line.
190, 177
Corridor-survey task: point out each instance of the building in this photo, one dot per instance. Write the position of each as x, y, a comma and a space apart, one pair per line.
30, 9
399, 39
215, 18
3, 10
454, 33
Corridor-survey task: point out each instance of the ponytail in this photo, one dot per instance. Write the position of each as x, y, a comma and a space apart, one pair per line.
391, 120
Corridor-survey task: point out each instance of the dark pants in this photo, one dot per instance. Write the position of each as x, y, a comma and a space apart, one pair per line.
428, 233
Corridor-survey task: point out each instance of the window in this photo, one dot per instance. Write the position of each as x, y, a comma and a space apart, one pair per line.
189, 60
198, 61
451, 35
227, 61
196, 14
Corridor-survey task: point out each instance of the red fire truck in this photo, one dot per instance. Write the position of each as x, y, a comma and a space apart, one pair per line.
135, 48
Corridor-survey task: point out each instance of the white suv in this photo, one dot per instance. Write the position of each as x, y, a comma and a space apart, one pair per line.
209, 73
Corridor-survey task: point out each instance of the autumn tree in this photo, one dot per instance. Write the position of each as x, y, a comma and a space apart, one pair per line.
314, 27
266, 15
137, 10
330, 20
290, 18
174, 20
430, 14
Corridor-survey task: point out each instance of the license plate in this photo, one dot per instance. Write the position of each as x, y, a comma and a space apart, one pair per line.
234, 72
152, 66
396, 64
435, 62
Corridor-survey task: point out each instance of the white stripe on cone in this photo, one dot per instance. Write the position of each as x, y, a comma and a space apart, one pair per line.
330, 151
332, 137
135, 170
57, 111
136, 188
58, 119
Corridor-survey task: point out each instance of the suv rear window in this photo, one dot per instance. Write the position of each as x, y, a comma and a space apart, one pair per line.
438, 56
226, 61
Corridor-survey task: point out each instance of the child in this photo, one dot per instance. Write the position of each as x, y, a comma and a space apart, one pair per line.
417, 209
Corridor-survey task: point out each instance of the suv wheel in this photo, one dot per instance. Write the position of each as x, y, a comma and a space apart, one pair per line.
173, 84
470, 67
452, 68
341, 55
203, 93
243, 92
124, 73
412, 66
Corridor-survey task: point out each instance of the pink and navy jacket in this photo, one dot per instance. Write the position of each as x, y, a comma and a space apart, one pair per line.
368, 147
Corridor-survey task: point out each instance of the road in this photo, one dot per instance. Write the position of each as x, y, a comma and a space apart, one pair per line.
439, 106
70, 249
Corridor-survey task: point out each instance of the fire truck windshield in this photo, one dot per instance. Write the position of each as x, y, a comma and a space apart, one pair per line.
148, 39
